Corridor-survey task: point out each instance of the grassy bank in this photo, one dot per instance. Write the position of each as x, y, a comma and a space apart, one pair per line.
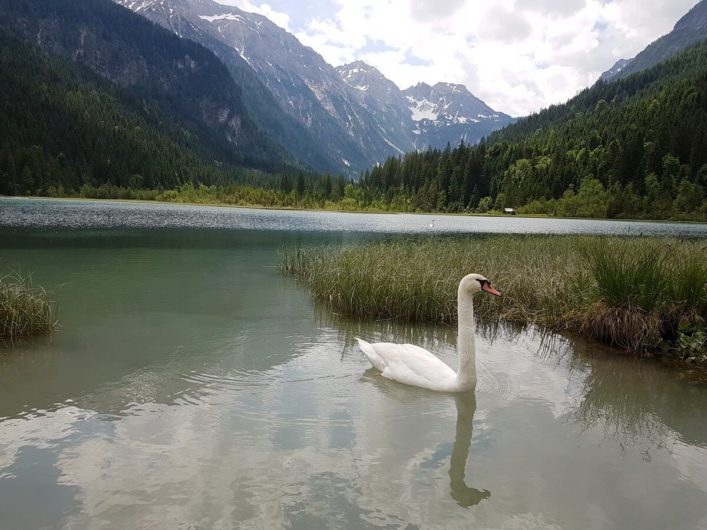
643, 295
25, 311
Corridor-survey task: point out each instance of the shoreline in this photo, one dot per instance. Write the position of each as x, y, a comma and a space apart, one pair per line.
371, 211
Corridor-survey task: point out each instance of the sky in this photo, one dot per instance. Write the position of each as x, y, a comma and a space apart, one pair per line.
519, 56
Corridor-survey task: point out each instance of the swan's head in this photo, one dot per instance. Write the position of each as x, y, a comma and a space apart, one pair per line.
473, 283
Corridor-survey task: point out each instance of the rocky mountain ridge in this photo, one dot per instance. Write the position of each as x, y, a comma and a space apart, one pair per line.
352, 113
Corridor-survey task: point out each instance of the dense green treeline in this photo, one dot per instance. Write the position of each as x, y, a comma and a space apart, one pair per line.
254, 189
301, 191
636, 147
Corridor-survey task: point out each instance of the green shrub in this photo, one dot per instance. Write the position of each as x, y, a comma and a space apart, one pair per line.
25, 311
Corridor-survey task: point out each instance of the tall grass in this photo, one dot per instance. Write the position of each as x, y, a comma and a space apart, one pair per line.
637, 293
25, 311
417, 279
627, 275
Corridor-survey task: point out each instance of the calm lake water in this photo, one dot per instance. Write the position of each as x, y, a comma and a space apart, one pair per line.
191, 386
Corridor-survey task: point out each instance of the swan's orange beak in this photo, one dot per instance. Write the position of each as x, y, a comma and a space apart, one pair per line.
487, 287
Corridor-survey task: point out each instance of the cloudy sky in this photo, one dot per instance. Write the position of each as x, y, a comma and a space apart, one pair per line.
517, 55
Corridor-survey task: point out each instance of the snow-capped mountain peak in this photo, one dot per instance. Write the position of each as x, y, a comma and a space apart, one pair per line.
369, 80
449, 103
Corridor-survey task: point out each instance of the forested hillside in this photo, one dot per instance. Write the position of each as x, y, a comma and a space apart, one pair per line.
111, 98
61, 127
636, 147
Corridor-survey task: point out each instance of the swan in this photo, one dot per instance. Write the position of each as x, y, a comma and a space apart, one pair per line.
412, 365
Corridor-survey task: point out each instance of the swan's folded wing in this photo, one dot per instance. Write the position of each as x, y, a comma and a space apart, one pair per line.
416, 366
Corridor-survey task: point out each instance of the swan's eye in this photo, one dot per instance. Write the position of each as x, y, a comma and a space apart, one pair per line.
483, 282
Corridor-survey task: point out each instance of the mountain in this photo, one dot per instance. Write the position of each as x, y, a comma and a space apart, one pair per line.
352, 115
689, 30
305, 87
184, 80
423, 115
384, 101
446, 113
615, 70
181, 17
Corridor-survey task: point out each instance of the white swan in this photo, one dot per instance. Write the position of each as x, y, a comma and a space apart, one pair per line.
416, 366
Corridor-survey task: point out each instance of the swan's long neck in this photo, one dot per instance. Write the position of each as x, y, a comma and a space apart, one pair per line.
466, 347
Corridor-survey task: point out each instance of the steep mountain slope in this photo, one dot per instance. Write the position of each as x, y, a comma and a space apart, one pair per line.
688, 30
383, 100
181, 77
354, 121
181, 18
63, 126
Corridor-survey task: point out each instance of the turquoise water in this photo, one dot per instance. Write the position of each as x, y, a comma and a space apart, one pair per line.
191, 386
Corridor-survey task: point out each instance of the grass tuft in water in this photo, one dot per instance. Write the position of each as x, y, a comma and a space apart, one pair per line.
25, 311
627, 275
642, 294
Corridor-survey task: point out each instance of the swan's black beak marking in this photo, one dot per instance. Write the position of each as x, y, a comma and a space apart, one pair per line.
486, 286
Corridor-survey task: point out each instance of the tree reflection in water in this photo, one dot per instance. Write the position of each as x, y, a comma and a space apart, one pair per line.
629, 398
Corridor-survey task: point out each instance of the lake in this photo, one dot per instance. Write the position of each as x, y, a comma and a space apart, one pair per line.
192, 386
66, 213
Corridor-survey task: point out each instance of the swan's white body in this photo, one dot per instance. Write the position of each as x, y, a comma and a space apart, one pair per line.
412, 365
416, 366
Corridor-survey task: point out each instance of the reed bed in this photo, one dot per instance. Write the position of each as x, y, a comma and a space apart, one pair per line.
642, 294
25, 311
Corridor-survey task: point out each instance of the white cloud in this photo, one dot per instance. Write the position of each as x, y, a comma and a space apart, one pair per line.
423, 9
517, 55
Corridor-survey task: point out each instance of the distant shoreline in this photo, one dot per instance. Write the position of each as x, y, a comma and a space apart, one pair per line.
365, 211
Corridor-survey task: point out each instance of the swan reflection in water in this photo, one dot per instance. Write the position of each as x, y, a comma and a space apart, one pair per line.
462, 494
465, 402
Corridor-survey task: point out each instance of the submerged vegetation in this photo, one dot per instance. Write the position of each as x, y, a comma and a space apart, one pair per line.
25, 311
646, 295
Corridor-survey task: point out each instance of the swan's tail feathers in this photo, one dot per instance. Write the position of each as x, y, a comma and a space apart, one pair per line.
370, 351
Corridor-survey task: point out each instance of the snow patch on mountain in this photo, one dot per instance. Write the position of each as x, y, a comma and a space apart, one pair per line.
422, 109
391, 144
139, 6
225, 16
